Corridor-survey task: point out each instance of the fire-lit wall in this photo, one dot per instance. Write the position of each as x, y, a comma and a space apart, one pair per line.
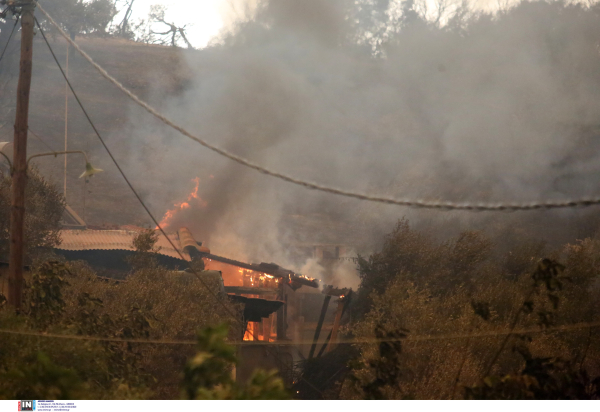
232, 275
236, 276
265, 331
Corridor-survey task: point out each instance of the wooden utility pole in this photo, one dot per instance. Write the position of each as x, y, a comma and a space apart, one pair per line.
19, 173
66, 121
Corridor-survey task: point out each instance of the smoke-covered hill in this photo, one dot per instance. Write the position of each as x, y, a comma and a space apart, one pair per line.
482, 108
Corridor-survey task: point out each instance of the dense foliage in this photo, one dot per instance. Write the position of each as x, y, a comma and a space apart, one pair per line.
458, 288
152, 304
44, 206
81, 16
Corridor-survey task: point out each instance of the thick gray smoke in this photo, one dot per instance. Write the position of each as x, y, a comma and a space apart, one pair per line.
502, 108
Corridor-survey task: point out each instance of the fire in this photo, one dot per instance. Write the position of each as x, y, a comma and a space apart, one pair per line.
192, 198
258, 279
266, 330
236, 276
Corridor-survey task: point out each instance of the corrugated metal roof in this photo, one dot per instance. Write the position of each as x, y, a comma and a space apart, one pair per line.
113, 240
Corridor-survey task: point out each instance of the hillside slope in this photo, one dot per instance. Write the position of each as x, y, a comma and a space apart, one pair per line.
144, 69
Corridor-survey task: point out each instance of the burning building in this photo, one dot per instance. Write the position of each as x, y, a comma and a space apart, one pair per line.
267, 291
258, 286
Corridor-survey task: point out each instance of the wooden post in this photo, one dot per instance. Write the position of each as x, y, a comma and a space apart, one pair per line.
325, 345
285, 315
266, 329
319, 326
66, 122
19, 173
281, 335
336, 324
346, 300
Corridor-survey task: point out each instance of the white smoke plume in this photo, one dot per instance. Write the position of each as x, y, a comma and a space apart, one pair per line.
498, 108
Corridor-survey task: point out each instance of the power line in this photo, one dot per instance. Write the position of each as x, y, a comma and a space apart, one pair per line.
9, 37
352, 341
214, 294
202, 282
41, 140
415, 203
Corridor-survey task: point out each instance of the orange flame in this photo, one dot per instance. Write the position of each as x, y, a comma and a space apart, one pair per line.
266, 330
192, 198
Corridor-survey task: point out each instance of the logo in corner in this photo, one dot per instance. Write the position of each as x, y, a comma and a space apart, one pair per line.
27, 405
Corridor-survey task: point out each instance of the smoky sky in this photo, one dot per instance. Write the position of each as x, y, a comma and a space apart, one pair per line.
501, 108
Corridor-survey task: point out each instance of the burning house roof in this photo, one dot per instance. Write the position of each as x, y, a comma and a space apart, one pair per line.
123, 240
113, 240
196, 250
294, 280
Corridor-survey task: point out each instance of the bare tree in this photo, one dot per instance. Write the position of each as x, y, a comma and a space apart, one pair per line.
458, 20
440, 12
124, 27
173, 34
503, 5
441, 6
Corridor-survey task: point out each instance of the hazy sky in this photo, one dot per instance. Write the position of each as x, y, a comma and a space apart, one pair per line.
205, 18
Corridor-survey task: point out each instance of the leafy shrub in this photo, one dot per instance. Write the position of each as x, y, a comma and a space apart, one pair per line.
434, 289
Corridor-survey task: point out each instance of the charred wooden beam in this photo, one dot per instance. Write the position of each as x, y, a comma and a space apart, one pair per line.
332, 337
255, 309
319, 326
238, 290
336, 325
272, 269
331, 291
281, 321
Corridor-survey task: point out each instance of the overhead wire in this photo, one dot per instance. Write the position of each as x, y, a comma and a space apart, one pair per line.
114, 160
353, 341
142, 203
415, 203
41, 140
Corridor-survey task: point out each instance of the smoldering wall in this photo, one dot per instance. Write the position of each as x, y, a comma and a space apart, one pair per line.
495, 108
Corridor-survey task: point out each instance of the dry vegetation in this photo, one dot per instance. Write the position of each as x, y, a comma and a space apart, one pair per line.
44, 206
440, 288
162, 305
152, 304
